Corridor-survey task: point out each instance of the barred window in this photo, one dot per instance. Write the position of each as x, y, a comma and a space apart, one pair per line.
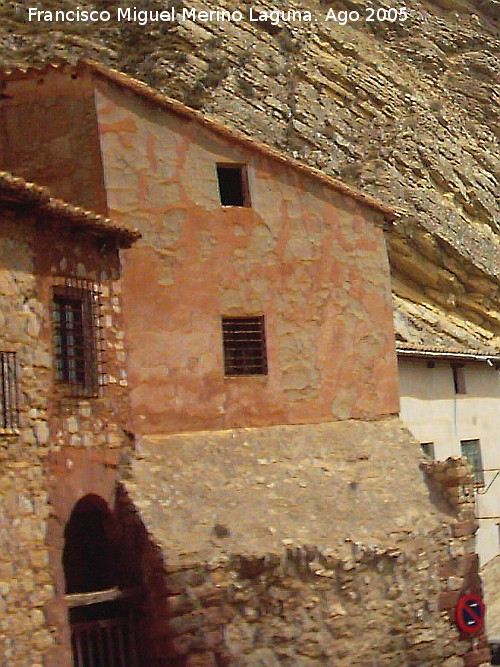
244, 342
78, 337
9, 396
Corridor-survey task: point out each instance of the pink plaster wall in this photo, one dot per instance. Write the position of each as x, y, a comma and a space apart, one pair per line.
309, 259
48, 134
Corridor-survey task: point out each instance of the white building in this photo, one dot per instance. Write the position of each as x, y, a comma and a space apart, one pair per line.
450, 400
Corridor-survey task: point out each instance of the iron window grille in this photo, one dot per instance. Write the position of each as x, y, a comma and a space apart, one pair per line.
9, 395
244, 342
78, 337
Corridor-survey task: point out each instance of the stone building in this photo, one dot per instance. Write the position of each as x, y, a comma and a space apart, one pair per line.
62, 410
275, 499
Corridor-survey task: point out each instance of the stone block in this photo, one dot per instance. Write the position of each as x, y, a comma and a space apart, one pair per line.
218, 615
187, 623
180, 604
204, 659
179, 581
477, 658
182, 644
464, 528
448, 600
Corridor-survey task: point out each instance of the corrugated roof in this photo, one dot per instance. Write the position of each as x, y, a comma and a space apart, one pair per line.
178, 108
14, 188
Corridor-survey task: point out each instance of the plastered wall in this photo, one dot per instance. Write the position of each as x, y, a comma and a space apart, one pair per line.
434, 413
308, 259
48, 135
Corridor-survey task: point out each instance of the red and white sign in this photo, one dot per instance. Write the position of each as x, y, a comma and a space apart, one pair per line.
470, 614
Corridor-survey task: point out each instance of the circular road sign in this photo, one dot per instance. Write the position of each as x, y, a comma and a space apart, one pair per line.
470, 614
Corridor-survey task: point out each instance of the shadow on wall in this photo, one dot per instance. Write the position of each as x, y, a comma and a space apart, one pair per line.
113, 576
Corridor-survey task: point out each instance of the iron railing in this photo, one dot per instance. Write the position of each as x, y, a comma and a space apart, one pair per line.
9, 395
106, 642
78, 337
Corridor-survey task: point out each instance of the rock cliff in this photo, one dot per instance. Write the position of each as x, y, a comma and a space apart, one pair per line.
406, 110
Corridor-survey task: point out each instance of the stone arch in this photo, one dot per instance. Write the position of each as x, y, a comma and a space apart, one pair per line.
104, 608
91, 554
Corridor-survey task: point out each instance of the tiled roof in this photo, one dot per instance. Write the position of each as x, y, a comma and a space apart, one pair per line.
13, 188
427, 330
174, 106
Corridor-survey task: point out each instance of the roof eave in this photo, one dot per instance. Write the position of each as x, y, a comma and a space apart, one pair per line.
457, 356
390, 213
18, 191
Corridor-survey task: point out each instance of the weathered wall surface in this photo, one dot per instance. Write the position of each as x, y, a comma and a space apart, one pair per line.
406, 110
64, 448
25, 583
48, 135
288, 546
433, 412
309, 259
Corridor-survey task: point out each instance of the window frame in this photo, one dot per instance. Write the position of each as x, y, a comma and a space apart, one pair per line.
428, 449
476, 457
9, 393
244, 183
241, 361
76, 305
459, 384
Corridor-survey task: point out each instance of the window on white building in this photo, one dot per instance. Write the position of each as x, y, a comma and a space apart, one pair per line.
428, 449
471, 449
459, 379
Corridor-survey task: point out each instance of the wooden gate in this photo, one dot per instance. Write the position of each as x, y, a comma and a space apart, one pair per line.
105, 642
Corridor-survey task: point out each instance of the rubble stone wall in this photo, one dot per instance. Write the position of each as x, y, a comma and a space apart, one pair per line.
222, 589
371, 607
58, 438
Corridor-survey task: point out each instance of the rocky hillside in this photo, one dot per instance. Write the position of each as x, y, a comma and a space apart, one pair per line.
406, 110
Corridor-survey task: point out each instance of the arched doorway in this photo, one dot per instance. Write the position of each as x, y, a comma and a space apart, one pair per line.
99, 594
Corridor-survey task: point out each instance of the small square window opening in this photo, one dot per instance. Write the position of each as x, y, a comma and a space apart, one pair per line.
77, 337
244, 343
471, 449
233, 185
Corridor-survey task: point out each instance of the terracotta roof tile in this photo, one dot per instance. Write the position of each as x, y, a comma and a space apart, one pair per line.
14, 188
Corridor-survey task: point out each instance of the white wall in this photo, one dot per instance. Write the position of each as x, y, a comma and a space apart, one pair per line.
434, 413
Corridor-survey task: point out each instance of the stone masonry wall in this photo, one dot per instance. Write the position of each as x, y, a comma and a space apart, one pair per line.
25, 582
460, 574
222, 589
34, 497
353, 604
310, 608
